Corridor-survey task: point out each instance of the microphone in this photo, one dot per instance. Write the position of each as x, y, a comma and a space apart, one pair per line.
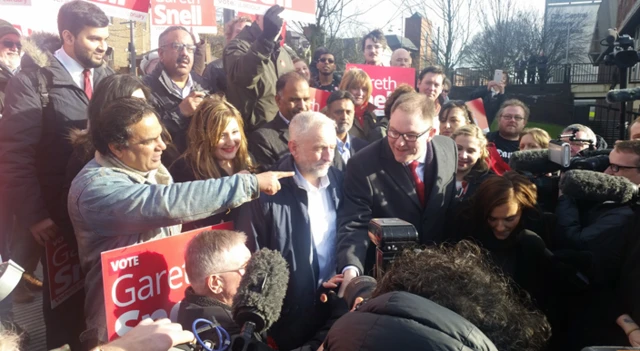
533, 161
598, 187
620, 95
262, 290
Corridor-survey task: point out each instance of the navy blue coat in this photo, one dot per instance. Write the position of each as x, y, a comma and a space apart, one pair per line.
281, 222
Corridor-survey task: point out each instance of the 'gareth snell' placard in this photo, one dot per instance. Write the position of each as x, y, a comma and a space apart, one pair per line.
146, 280
385, 80
318, 99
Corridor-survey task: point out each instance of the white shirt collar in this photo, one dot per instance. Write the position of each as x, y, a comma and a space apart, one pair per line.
284, 119
421, 160
72, 66
304, 184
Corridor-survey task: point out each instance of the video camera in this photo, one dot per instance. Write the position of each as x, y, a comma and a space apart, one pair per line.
391, 236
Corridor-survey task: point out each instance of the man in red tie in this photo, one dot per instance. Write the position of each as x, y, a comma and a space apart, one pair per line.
47, 98
410, 175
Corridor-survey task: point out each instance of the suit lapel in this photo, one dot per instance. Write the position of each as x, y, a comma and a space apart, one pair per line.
282, 127
440, 160
398, 173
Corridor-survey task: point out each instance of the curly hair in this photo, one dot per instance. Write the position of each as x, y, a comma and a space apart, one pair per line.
462, 279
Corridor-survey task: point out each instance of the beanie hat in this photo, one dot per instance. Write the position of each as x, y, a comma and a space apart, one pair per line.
7, 28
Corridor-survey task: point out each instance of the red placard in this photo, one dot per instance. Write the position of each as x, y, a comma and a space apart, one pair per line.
198, 15
135, 10
64, 271
146, 280
318, 99
295, 10
385, 80
479, 115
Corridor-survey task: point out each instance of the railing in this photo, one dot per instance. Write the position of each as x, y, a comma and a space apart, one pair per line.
577, 73
606, 122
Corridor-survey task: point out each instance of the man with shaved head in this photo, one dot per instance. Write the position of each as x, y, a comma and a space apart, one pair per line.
401, 58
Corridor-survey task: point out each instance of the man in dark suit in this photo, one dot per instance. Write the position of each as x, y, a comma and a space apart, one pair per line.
300, 223
341, 109
269, 143
410, 175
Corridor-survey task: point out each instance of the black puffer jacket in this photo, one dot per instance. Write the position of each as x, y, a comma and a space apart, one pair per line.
404, 321
166, 101
34, 145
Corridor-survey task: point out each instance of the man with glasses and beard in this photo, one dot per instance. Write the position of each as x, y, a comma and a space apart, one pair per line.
512, 118
47, 98
410, 174
10, 48
177, 90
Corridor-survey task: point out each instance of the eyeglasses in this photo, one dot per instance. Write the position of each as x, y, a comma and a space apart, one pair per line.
324, 60
407, 137
446, 91
240, 270
616, 168
510, 117
371, 47
11, 44
179, 47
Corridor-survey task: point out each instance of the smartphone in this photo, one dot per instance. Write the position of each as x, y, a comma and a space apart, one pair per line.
560, 153
497, 76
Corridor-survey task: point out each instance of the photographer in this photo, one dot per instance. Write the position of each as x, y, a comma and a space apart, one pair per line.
441, 298
599, 229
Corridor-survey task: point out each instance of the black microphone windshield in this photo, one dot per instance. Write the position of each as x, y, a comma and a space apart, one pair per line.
619, 95
262, 290
533, 161
598, 187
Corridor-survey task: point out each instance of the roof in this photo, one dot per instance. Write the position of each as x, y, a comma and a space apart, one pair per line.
396, 42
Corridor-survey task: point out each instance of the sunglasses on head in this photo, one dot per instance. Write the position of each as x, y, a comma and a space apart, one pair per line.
324, 60
10, 44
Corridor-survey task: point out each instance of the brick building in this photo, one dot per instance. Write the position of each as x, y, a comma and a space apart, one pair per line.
420, 31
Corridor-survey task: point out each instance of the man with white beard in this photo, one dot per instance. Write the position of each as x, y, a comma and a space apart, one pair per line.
10, 49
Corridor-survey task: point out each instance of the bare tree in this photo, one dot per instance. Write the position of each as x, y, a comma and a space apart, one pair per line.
455, 20
510, 34
335, 17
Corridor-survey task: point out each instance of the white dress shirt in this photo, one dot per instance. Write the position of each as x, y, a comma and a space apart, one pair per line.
322, 217
420, 169
73, 67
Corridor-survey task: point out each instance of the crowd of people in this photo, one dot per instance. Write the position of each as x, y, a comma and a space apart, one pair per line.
109, 160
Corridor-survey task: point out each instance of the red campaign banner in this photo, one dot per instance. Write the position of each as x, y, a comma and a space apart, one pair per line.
146, 280
295, 10
385, 80
15, 2
479, 115
199, 15
318, 99
64, 271
135, 10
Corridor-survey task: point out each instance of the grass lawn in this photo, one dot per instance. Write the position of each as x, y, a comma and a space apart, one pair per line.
553, 129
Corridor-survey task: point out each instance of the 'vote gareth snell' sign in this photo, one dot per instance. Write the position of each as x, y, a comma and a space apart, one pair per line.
199, 16
384, 81
146, 280
295, 10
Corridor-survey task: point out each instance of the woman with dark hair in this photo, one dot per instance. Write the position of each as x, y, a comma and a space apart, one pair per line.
109, 89
358, 83
217, 147
499, 217
454, 114
473, 159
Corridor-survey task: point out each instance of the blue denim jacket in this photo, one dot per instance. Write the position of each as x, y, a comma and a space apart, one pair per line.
112, 207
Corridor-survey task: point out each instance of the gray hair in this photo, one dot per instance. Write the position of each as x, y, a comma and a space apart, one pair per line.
207, 252
582, 128
303, 122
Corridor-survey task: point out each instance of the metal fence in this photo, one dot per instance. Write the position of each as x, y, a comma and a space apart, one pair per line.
577, 73
605, 121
